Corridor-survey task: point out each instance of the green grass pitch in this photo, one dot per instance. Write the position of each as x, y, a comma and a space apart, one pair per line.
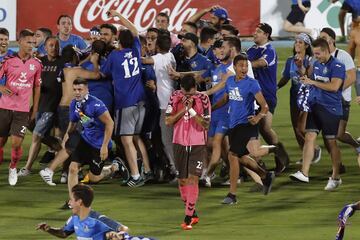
290, 212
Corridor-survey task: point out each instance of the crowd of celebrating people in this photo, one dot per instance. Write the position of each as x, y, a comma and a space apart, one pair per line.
176, 106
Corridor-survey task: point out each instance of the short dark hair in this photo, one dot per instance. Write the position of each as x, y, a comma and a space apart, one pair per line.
162, 14
26, 33
109, 26
240, 57
163, 43
234, 42
152, 29
188, 82
79, 81
207, 33
228, 27
192, 25
4, 31
163, 32
68, 53
63, 16
45, 31
126, 38
99, 47
322, 43
83, 192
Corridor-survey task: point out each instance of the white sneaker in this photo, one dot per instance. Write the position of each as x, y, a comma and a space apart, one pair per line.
207, 181
299, 176
12, 176
64, 177
227, 182
332, 184
47, 176
23, 172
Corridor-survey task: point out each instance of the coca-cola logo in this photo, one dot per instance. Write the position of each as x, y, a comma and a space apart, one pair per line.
141, 12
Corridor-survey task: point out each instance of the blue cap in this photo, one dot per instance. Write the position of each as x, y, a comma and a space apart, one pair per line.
221, 13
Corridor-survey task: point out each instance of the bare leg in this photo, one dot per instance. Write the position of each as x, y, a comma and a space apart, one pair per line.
131, 154
145, 157
73, 176
335, 157
33, 151
308, 151
234, 172
289, 27
59, 159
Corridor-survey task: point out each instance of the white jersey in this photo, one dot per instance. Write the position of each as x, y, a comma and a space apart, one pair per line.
345, 58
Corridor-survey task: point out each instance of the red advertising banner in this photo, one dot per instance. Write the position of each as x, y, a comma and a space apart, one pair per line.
32, 14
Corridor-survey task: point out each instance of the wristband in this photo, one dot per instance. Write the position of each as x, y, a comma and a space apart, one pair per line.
192, 112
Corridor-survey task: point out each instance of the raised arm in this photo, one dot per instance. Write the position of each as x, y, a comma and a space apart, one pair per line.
125, 22
197, 16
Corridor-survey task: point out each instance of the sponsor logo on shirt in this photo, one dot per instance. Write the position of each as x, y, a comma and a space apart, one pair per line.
321, 78
235, 95
193, 65
22, 81
325, 70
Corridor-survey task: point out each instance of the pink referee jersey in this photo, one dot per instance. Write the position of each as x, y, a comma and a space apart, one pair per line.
21, 76
186, 131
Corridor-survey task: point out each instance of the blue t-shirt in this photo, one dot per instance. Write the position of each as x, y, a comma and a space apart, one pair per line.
355, 5
209, 54
324, 72
199, 63
93, 227
41, 49
291, 71
241, 99
147, 74
221, 113
101, 88
88, 112
74, 40
265, 75
125, 68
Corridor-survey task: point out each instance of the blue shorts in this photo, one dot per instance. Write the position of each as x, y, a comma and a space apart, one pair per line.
44, 123
218, 126
320, 119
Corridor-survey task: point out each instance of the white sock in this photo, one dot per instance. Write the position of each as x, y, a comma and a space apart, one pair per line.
136, 176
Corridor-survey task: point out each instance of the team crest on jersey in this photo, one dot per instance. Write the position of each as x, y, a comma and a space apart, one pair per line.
32, 67
325, 71
193, 65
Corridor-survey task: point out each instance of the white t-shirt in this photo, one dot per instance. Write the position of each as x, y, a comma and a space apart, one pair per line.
345, 58
250, 72
164, 85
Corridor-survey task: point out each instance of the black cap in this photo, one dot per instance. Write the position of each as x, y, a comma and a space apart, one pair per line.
190, 36
329, 32
266, 28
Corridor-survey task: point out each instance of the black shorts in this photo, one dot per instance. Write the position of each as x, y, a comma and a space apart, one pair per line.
13, 123
320, 119
85, 154
346, 110
72, 142
297, 15
240, 135
189, 160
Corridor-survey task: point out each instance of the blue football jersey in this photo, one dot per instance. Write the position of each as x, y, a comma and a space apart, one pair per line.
100, 88
221, 113
241, 99
265, 75
74, 40
125, 68
324, 72
88, 112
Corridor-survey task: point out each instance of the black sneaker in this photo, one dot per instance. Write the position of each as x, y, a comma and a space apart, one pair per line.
135, 183
229, 199
47, 158
149, 176
123, 170
267, 182
66, 206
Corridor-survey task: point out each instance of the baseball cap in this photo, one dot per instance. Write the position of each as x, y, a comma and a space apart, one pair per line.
221, 13
190, 36
266, 28
329, 32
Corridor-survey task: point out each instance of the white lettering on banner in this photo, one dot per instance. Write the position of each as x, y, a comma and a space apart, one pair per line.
8, 17
2, 14
144, 16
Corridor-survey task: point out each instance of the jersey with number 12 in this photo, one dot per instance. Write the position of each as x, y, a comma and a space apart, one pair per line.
124, 66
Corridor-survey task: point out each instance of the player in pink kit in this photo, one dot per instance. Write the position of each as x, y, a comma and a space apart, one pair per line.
189, 111
23, 79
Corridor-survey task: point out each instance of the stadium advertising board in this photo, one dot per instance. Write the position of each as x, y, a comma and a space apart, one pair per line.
8, 16
88, 13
